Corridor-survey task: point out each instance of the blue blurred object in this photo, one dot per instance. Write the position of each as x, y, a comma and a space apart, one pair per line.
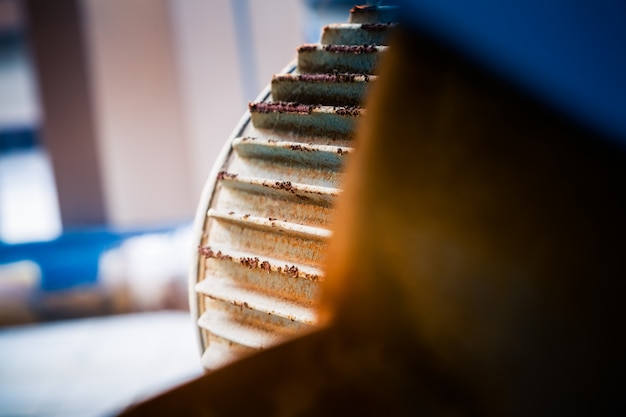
18, 137
571, 54
69, 260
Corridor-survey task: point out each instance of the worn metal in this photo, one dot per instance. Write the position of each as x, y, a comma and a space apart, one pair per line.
264, 219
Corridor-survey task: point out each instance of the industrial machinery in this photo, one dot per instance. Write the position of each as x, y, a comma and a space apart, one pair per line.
264, 218
477, 258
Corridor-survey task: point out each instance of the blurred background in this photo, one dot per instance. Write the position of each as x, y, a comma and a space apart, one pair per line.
112, 113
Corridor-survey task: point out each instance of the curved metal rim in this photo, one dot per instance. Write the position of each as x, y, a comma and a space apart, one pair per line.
206, 199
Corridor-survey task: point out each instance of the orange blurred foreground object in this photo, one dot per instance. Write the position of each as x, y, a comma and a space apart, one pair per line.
476, 266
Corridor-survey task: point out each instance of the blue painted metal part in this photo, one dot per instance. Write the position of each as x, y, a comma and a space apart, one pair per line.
71, 259
570, 54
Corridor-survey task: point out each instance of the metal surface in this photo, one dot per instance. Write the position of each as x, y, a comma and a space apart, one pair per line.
263, 221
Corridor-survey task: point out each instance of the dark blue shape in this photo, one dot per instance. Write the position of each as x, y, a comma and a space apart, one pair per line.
569, 53
18, 137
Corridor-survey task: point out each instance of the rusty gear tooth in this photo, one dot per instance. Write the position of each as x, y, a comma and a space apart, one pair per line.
258, 277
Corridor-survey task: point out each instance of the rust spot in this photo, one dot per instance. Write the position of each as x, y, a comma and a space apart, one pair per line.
240, 304
282, 107
307, 48
207, 252
296, 147
312, 277
375, 27
266, 266
351, 49
250, 262
333, 77
231, 212
340, 151
292, 270
225, 175
348, 111
271, 219
284, 185
245, 216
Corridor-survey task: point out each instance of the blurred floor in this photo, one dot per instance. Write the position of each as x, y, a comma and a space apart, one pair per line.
95, 366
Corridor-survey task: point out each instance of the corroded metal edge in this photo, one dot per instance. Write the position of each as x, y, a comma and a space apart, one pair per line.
206, 200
